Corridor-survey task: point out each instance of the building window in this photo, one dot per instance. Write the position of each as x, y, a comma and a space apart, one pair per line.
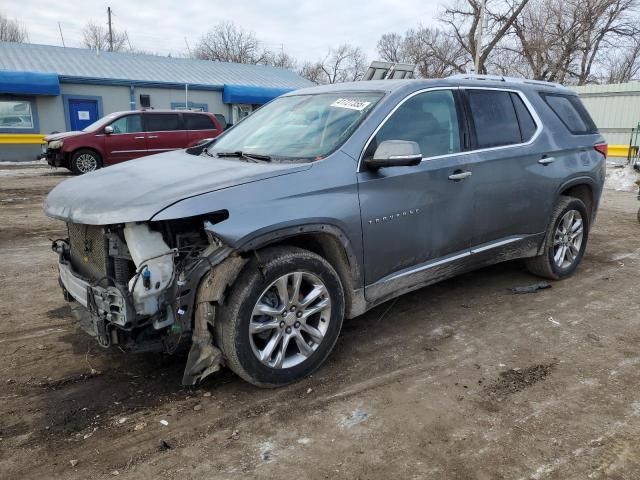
16, 115
192, 106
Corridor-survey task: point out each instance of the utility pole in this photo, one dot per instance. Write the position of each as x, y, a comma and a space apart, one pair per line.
110, 30
61, 37
479, 36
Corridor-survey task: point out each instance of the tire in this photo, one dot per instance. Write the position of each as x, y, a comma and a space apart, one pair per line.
85, 161
548, 265
255, 290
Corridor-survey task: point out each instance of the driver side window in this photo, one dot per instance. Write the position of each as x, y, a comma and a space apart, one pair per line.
430, 119
127, 124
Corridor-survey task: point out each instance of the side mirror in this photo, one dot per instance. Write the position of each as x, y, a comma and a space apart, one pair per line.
395, 153
108, 129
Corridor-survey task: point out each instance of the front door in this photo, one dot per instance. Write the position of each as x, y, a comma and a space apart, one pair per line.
412, 216
127, 140
82, 113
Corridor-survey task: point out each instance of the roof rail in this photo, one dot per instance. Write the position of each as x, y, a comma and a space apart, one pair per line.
500, 78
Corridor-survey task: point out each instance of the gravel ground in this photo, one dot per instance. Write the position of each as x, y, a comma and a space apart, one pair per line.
460, 380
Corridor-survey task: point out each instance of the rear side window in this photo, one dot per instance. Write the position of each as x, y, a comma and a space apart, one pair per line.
494, 117
527, 124
162, 122
198, 122
571, 112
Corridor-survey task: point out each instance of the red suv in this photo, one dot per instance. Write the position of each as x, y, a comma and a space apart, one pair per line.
123, 136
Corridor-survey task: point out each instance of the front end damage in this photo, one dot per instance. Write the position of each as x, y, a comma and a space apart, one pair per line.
150, 287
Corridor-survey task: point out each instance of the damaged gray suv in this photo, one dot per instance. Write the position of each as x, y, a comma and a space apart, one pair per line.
251, 250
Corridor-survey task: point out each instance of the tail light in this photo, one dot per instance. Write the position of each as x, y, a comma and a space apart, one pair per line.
602, 148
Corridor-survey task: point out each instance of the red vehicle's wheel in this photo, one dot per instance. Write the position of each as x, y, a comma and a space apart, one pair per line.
85, 161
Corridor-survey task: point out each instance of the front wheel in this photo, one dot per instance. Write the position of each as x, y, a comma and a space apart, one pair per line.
282, 317
565, 242
85, 161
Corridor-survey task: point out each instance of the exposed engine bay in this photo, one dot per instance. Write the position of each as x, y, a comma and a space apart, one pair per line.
135, 285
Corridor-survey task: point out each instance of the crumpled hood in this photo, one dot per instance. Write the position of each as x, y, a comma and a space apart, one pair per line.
62, 136
138, 189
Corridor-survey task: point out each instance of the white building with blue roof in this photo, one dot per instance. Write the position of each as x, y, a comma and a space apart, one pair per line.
45, 89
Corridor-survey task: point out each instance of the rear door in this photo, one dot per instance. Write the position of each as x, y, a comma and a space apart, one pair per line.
413, 215
508, 179
127, 141
165, 132
198, 127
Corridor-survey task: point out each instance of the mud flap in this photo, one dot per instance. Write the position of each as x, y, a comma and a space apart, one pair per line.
204, 358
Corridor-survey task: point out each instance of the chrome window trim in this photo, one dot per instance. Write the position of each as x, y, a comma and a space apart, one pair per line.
523, 97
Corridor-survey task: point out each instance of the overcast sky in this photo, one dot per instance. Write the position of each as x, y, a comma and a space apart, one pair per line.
305, 28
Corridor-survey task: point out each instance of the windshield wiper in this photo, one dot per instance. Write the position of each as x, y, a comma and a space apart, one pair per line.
246, 155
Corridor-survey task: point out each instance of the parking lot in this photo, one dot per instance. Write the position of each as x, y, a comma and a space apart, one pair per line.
462, 379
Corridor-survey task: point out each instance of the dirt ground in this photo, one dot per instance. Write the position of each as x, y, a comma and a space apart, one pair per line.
460, 380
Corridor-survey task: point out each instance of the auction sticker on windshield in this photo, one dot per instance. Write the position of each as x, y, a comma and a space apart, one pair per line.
351, 104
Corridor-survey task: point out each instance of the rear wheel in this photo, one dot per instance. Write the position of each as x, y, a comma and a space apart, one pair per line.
282, 317
85, 161
565, 241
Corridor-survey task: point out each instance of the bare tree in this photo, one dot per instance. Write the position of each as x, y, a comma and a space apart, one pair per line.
343, 63
228, 43
435, 53
281, 60
12, 30
570, 41
604, 21
623, 65
312, 71
463, 21
96, 36
392, 48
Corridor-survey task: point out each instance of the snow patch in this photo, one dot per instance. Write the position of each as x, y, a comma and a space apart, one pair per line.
359, 415
622, 179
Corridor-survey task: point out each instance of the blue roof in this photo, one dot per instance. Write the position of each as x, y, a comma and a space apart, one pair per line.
86, 66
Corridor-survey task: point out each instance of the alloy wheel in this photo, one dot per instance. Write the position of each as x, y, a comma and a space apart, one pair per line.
567, 239
289, 320
86, 163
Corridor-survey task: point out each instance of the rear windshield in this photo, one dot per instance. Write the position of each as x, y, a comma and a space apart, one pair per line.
569, 109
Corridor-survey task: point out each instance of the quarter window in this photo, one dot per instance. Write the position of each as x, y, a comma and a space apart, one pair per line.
571, 112
127, 124
494, 118
16, 115
162, 122
430, 119
197, 122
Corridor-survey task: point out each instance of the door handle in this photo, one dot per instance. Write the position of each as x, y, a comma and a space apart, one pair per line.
459, 176
139, 138
152, 136
546, 160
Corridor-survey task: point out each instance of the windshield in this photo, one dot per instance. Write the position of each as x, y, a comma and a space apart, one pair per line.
300, 126
100, 123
